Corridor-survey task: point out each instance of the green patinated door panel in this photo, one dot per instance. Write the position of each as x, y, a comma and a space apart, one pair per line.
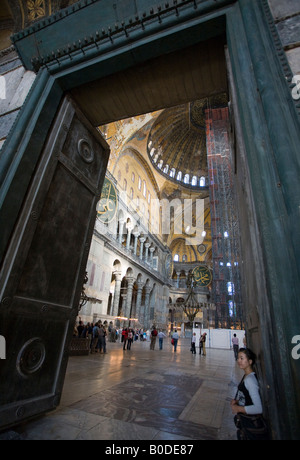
44, 267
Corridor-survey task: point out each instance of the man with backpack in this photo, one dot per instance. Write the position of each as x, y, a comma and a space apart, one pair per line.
153, 338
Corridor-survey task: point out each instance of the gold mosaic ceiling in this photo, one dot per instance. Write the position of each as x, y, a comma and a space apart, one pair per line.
23, 13
177, 142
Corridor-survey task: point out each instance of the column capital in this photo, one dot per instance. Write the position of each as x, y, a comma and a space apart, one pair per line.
130, 279
140, 283
148, 288
118, 275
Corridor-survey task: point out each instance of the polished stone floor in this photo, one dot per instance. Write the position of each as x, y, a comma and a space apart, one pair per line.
143, 394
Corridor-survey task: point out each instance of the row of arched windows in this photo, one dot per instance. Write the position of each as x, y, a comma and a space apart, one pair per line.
176, 258
142, 186
131, 192
187, 179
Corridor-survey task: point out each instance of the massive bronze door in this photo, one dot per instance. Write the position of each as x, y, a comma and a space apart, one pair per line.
45, 263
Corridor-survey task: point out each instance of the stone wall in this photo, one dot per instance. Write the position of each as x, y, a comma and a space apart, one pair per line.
15, 84
287, 19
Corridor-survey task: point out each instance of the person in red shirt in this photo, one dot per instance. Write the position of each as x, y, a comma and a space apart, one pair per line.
125, 337
153, 338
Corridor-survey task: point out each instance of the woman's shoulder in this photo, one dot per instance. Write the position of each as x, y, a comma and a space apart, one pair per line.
251, 379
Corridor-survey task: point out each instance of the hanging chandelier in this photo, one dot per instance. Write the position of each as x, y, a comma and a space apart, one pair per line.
191, 306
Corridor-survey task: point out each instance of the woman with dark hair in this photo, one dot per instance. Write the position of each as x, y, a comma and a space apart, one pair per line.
247, 405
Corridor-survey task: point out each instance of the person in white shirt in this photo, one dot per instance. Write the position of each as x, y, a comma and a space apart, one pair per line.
235, 343
193, 344
161, 336
247, 400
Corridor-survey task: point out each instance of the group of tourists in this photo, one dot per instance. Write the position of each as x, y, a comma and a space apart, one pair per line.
97, 333
202, 341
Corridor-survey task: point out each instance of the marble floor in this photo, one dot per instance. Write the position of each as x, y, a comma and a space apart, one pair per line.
143, 394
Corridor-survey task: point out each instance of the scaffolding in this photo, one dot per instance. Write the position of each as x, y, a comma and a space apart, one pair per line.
226, 286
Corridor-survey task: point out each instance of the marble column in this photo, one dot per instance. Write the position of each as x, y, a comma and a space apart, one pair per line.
130, 281
118, 280
142, 240
129, 230
121, 226
136, 235
139, 299
152, 249
147, 306
147, 245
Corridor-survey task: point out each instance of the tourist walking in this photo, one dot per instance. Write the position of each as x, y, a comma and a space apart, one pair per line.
161, 336
235, 343
193, 344
129, 339
175, 338
203, 343
125, 337
153, 338
95, 338
102, 339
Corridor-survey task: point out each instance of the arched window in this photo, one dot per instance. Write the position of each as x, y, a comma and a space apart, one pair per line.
179, 175
144, 188
184, 258
202, 181
172, 172
125, 185
194, 180
132, 176
166, 169
176, 258
131, 193
186, 179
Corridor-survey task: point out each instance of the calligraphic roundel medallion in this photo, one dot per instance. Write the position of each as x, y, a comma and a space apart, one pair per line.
108, 204
202, 275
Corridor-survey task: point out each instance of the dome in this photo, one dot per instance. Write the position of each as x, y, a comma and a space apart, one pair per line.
177, 142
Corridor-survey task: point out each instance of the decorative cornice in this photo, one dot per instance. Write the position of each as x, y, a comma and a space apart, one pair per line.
154, 12
108, 34
280, 51
7, 51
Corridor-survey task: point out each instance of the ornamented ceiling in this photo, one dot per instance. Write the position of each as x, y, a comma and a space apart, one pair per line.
177, 142
26, 12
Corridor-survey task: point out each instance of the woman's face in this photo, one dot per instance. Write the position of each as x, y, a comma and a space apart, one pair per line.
243, 362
